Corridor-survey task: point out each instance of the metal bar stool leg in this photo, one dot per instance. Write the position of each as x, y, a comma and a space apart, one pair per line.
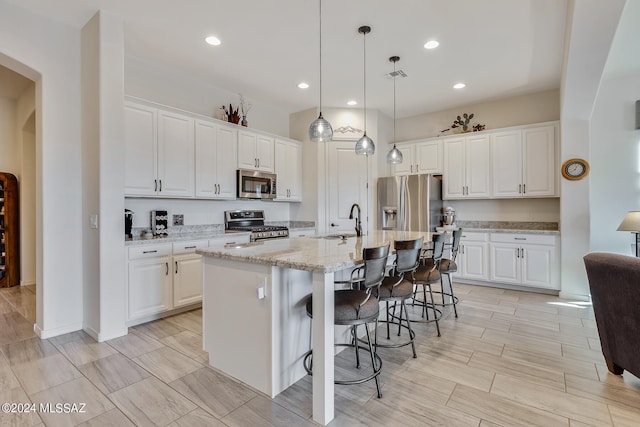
373, 359
411, 333
434, 310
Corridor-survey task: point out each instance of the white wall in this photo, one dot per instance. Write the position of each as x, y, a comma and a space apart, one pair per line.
535, 107
615, 142
154, 82
49, 54
9, 144
26, 133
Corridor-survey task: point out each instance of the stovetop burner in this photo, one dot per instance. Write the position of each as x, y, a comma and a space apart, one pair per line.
253, 221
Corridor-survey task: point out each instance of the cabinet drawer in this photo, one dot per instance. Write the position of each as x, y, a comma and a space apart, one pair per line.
149, 251
230, 239
189, 247
470, 236
536, 239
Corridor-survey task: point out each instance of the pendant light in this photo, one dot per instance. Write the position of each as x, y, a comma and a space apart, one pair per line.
394, 156
320, 130
365, 145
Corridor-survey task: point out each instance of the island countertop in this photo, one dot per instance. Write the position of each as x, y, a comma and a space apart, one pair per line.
322, 254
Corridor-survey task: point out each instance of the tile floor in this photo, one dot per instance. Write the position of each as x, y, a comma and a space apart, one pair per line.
511, 358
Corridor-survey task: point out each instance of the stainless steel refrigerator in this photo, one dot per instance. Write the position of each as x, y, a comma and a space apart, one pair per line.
409, 203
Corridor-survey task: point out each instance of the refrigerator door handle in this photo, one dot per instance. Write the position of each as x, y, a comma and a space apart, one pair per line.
402, 205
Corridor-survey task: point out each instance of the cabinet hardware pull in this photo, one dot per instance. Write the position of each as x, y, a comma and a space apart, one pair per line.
166, 264
160, 185
230, 243
155, 185
190, 247
411, 166
517, 252
255, 162
219, 190
519, 238
417, 167
176, 267
258, 162
522, 249
149, 252
524, 188
334, 225
519, 188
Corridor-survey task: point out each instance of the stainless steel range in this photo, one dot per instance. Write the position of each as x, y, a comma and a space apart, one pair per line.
253, 221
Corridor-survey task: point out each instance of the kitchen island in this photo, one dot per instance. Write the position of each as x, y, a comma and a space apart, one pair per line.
254, 323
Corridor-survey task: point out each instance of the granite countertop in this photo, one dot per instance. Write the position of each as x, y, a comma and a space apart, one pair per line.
316, 253
171, 238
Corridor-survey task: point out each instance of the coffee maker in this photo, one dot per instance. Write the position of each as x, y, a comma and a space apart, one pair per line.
128, 223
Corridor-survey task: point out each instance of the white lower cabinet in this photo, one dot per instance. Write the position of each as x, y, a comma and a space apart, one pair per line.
473, 256
303, 232
150, 280
524, 259
163, 277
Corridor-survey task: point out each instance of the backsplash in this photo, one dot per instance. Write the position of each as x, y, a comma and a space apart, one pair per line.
509, 225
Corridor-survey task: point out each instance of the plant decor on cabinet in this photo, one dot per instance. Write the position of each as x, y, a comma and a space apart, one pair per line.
244, 110
232, 115
464, 122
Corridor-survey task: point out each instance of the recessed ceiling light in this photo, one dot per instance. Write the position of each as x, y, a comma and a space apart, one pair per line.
459, 85
213, 40
352, 102
431, 44
303, 85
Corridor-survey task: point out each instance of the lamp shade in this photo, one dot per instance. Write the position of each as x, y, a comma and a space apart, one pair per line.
631, 222
365, 146
394, 156
320, 130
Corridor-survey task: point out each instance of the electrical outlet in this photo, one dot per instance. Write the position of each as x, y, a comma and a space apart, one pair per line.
93, 221
178, 219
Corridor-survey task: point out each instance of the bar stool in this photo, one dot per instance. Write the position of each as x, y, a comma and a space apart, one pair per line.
398, 287
426, 275
358, 306
448, 266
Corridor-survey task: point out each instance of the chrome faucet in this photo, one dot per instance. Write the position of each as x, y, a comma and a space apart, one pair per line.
358, 222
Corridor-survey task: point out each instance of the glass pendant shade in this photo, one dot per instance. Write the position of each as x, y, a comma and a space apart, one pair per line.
320, 130
394, 156
365, 146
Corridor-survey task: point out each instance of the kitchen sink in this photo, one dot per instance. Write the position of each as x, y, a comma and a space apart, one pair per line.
339, 236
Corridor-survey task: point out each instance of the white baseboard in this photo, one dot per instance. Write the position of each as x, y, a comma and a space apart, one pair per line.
575, 297
105, 337
50, 333
27, 282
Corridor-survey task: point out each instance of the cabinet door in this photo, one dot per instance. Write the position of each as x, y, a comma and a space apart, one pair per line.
506, 156
206, 159
187, 279
537, 265
428, 157
473, 261
478, 172
175, 155
226, 154
453, 179
407, 165
282, 170
539, 172
295, 173
505, 263
140, 135
150, 285
265, 153
247, 158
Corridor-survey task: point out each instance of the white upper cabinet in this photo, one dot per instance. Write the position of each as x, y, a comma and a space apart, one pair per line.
288, 160
523, 162
216, 151
175, 155
419, 158
255, 151
141, 148
466, 167
159, 153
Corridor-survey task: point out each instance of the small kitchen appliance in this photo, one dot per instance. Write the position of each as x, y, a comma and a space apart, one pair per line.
159, 223
449, 218
128, 223
253, 221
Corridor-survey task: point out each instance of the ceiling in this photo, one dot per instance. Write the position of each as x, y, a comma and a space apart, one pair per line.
498, 48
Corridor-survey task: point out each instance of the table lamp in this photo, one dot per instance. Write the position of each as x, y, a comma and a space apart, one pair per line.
631, 222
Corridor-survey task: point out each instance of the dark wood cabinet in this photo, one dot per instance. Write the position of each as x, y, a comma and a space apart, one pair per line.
9, 231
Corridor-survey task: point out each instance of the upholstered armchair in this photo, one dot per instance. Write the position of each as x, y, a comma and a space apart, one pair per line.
614, 281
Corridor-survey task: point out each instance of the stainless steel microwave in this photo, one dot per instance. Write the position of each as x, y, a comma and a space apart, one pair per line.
256, 184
